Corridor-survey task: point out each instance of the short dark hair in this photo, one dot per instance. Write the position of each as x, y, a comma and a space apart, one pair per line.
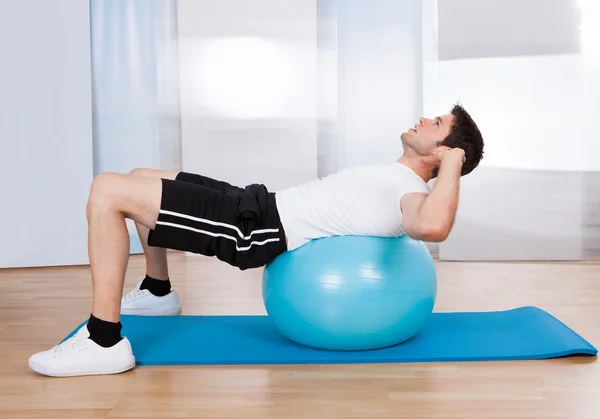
464, 134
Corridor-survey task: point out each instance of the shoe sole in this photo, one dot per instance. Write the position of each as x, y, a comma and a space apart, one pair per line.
174, 312
81, 374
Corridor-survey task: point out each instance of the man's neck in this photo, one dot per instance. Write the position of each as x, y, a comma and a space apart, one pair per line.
415, 164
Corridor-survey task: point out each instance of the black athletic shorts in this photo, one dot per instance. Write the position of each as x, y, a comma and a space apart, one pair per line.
240, 226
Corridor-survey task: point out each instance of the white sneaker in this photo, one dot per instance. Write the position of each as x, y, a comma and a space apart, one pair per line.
143, 303
79, 355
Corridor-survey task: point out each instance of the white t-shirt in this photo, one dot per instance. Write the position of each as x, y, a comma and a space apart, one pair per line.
361, 201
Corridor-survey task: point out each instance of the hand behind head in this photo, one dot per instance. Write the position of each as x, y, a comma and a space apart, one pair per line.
439, 154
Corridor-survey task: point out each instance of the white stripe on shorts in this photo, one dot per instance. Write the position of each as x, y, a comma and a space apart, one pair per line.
209, 233
216, 223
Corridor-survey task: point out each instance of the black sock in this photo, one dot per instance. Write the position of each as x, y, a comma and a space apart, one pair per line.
105, 334
156, 286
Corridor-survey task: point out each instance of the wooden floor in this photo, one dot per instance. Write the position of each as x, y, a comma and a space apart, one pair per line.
40, 306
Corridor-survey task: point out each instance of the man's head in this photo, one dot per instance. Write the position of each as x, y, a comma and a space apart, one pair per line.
456, 129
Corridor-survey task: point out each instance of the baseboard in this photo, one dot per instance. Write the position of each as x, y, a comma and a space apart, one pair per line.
433, 248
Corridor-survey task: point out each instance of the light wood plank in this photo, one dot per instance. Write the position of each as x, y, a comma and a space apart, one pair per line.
40, 306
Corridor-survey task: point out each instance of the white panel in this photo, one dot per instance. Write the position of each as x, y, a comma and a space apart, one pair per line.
330, 144
528, 109
46, 118
507, 214
528, 200
248, 90
491, 28
379, 86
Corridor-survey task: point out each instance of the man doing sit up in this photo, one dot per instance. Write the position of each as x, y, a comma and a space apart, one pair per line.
249, 226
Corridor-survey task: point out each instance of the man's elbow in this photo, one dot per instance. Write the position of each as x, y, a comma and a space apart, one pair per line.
434, 233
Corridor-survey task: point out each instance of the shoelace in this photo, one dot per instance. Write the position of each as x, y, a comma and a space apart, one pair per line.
134, 293
71, 345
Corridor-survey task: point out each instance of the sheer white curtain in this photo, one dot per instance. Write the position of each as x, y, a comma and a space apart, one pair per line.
135, 87
370, 79
248, 90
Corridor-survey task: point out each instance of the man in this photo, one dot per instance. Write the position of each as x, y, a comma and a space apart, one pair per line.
248, 227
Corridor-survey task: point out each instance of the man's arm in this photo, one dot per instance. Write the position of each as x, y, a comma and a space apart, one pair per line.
431, 217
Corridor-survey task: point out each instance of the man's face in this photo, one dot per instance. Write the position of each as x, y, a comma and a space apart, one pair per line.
427, 134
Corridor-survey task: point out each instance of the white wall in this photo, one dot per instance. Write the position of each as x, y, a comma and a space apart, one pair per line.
509, 214
532, 110
332, 83
46, 118
330, 145
248, 90
536, 113
378, 84
496, 28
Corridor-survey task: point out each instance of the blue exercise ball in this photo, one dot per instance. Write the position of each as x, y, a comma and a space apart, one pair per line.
351, 292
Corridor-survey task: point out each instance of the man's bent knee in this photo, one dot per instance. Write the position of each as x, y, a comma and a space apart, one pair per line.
153, 173
101, 191
135, 197
140, 171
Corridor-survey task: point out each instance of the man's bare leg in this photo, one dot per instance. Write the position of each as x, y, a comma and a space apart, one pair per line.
113, 198
156, 257
98, 348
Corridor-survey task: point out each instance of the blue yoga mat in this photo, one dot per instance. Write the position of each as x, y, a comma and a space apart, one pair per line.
521, 334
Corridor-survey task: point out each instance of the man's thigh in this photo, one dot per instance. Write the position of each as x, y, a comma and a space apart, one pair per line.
138, 198
196, 179
203, 220
196, 219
